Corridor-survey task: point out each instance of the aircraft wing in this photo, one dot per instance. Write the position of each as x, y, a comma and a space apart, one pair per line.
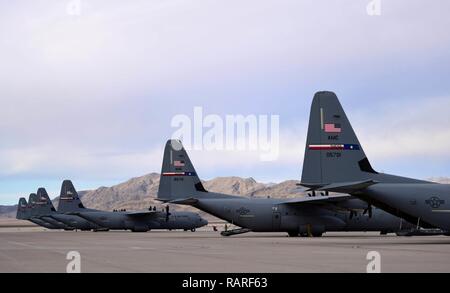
142, 213
73, 214
342, 187
317, 199
131, 214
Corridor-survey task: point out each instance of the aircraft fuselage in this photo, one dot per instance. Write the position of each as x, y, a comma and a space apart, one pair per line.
122, 221
272, 215
426, 202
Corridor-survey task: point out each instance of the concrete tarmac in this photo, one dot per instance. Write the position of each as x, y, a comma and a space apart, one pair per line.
23, 250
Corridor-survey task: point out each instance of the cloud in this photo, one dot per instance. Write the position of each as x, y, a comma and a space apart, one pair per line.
64, 160
397, 129
92, 96
113, 46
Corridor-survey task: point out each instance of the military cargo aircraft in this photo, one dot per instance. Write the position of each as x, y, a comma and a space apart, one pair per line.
136, 221
335, 162
40, 210
305, 216
24, 212
45, 210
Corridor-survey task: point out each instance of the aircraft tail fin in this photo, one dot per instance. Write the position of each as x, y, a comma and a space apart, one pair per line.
32, 204
69, 200
333, 152
22, 208
32, 199
44, 202
178, 177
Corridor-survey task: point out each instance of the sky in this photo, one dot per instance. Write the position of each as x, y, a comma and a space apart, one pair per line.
89, 88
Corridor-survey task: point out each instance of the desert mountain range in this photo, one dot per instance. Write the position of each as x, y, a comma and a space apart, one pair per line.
139, 193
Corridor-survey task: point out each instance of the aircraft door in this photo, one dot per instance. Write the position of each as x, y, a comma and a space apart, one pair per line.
276, 220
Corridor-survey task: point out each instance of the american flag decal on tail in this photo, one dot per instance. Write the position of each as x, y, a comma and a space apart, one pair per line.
178, 163
333, 128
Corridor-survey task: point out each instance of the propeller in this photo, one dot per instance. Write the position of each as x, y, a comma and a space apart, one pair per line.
368, 210
352, 214
167, 213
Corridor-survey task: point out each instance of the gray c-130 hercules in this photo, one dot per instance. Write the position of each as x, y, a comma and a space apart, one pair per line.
41, 211
305, 216
72, 215
136, 221
335, 162
25, 212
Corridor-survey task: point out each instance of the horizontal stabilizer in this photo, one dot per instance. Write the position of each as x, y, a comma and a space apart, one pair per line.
311, 186
79, 214
347, 187
186, 201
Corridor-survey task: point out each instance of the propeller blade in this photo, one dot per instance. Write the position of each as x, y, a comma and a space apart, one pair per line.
167, 213
368, 210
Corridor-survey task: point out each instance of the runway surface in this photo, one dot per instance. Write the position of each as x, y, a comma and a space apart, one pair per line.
32, 250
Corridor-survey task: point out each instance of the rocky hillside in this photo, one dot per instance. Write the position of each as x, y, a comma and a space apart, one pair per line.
140, 193
8, 211
136, 193
442, 180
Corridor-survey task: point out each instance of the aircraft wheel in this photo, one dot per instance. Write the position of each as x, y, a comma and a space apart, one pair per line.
101, 230
193, 230
185, 230
139, 231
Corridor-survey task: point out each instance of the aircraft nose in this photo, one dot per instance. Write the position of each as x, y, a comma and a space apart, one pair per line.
203, 222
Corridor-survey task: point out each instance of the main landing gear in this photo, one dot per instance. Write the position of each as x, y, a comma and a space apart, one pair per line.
296, 234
